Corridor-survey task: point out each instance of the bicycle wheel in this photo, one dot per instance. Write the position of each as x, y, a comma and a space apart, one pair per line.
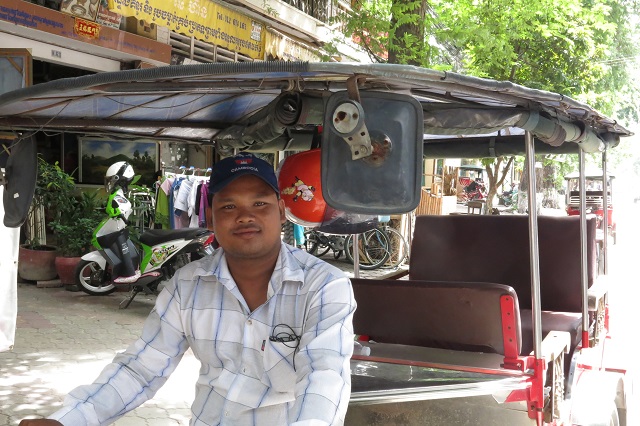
398, 248
373, 248
348, 248
313, 245
377, 248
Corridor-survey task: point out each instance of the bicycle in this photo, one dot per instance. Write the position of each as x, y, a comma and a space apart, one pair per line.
374, 249
373, 246
143, 208
398, 246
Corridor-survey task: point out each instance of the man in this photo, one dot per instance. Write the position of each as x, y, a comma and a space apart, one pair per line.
271, 324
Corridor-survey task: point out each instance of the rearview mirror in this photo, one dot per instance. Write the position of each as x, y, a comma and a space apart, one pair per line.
384, 178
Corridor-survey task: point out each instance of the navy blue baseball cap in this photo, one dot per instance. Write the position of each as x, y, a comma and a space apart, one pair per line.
230, 168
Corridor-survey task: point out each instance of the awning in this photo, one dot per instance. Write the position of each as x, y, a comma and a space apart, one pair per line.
200, 103
284, 48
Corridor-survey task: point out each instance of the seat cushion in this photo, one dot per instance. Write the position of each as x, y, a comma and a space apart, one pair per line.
448, 315
559, 321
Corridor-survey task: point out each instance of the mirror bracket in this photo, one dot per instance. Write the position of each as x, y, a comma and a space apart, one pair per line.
348, 123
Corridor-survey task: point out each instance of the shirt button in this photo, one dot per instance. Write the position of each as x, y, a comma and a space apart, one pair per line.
244, 370
226, 414
249, 322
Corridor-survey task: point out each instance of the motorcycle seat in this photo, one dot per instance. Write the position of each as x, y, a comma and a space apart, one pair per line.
157, 236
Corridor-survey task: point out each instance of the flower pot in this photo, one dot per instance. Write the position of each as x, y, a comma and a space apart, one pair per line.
37, 263
66, 267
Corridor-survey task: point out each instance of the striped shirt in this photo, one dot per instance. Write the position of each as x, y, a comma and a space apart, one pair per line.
251, 371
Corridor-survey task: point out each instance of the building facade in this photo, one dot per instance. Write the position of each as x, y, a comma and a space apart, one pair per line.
70, 38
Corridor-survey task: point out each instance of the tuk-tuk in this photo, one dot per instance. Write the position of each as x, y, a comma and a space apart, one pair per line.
470, 185
595, 197
502, 320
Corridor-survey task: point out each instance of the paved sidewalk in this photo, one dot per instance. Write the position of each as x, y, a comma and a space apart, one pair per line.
64, 339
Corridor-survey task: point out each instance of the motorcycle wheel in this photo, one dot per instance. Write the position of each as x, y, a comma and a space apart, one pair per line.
92, 279
314, 246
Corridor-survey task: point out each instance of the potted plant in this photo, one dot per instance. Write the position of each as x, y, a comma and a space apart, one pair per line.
54, 188
73, 230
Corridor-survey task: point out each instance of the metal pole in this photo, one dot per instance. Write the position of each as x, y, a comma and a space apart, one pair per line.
583, 250
605, 219
533, 247
356, 256
409, 232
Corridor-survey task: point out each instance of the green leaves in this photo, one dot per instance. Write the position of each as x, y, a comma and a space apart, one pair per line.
52, 186
585, 49
565, 46
75, 225
71, 217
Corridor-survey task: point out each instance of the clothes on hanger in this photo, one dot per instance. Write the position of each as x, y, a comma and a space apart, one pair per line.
179, 200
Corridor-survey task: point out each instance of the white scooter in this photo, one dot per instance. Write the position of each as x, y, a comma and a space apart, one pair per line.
162, 252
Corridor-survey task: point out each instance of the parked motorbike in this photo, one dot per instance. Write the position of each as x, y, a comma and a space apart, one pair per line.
160, 254
475, 191
509, 197
319, 243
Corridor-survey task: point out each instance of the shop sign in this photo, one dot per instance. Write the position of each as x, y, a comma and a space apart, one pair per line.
86, 28
202, 19
107, 18
24, 14
81, 8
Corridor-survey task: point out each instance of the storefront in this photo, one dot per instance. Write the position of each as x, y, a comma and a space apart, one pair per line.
75, 38
59, 38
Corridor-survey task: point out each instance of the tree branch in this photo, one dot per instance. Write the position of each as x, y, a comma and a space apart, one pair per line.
505, 171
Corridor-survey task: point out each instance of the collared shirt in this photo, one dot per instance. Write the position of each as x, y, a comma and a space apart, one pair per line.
251, 371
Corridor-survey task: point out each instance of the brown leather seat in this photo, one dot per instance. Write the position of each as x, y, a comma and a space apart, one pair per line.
496, 249
570, 322
447, 315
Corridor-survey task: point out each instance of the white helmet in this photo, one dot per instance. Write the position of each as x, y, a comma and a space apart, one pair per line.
118, 174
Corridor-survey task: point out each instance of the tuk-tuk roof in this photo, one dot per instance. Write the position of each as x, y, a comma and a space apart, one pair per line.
197, 103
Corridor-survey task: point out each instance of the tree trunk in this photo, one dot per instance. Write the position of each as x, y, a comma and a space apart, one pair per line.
523, 190
550, 191
495, 180
523, 199
492, 184
403, 50
491, 193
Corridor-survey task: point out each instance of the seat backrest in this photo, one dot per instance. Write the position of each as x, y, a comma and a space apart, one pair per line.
496, 249
458, 316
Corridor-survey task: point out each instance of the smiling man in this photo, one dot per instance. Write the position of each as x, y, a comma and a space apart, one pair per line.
271, 324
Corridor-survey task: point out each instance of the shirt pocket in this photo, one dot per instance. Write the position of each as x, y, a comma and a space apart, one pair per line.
278, 361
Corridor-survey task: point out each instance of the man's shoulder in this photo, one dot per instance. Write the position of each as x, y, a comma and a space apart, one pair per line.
195, 277
312, 266
203, 267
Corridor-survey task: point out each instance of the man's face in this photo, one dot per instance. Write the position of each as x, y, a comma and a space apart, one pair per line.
247, 218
